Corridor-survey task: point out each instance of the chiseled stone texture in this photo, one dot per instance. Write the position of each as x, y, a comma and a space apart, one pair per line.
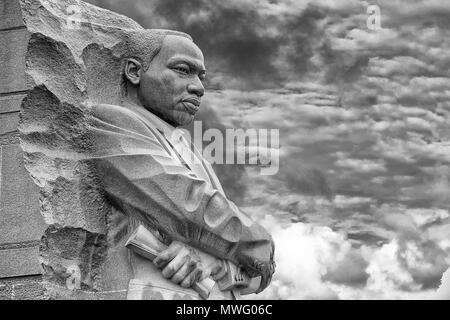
11, 15
11, 103
72, 65
8, 122
22, 288
20, 220
12, 60
21, 225
18, 261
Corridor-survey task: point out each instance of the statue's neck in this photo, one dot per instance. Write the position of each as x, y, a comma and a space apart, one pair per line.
132, 97
131, 100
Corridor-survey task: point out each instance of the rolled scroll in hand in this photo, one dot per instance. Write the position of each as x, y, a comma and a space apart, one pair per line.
144, 243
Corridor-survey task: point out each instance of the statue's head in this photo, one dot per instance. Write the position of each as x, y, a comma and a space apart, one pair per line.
163, 72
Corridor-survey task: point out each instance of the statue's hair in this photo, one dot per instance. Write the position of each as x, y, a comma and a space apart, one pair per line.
144, 45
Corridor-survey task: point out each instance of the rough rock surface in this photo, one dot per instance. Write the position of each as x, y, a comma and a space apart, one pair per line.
72, 61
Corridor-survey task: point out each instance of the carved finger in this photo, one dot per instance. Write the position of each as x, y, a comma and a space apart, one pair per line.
184, 271
166, 256
191, 278
219, 270
204, 274
174, 265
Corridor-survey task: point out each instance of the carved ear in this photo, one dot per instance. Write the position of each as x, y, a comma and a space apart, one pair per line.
133, 70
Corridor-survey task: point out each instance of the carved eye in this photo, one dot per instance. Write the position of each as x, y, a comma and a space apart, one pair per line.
182, 69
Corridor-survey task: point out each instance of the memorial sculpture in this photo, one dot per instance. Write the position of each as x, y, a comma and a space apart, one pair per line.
99, 135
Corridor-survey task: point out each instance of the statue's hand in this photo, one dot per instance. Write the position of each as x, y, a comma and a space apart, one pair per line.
185, 265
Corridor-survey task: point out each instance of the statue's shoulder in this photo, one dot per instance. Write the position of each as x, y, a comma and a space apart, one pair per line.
110, 111
119, 116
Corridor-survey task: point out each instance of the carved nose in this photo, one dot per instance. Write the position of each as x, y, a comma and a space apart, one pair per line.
196, 89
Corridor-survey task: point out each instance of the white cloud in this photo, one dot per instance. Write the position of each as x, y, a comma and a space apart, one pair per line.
386, 272
444, 290
359, 165
424, 216
304, 254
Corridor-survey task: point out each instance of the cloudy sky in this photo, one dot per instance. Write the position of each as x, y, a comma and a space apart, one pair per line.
359, 207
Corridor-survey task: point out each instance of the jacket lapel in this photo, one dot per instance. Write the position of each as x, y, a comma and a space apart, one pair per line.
178, 147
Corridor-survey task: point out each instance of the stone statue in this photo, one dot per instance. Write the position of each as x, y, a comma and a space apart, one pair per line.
99, 134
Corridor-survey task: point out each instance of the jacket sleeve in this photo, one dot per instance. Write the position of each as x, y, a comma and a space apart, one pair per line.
139, 175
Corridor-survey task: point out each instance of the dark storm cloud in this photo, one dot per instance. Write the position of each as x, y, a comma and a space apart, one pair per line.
232, 177
228, 35
255, 48
304, 180
341, 68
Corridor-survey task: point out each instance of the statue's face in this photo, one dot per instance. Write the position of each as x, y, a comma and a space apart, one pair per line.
172, 86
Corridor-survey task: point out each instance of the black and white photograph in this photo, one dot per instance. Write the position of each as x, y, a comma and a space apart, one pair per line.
231, 150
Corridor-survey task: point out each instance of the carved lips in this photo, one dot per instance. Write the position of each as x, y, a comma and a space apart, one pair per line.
191, 104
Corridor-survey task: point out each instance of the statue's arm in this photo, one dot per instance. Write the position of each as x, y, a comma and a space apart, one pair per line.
139, 175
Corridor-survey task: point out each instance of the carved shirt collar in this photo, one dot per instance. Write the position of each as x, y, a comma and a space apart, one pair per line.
162, 126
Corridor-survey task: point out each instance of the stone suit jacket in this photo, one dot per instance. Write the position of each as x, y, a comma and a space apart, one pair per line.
153, 176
